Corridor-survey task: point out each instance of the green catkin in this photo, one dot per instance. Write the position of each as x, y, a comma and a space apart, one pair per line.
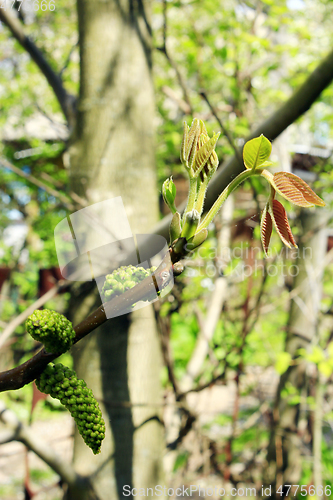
123, 279
52, 329
62, 383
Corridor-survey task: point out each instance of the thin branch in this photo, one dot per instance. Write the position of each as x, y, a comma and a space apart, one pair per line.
182, 104
287, 113
65, 199
53, 192
65, 99
202, 387
172, 63
164, 327
224, 130
201, 349
20, 432
10, 327
68, 59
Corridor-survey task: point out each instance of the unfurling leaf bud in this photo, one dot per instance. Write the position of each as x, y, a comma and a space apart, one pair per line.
169, 194
188, 147
52, 329
62, 383
197, 152
206, 160
191, 223
175, 227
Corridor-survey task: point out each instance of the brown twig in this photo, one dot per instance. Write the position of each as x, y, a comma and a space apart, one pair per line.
172, 63
164, 328
201, 387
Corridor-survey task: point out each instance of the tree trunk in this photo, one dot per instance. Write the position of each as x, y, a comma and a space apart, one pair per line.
112, 155
285, 449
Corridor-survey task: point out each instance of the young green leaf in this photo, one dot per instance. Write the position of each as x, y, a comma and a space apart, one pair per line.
256, 152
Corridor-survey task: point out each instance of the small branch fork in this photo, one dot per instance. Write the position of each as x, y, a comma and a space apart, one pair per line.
17, 431
66, 100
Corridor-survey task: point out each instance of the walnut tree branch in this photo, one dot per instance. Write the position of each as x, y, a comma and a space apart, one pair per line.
27, 372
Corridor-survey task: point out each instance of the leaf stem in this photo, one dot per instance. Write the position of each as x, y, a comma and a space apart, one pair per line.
201, 195
224, 195
191, 196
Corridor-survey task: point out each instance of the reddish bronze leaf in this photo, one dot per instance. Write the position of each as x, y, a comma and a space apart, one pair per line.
281, 223
266, 229
294, 189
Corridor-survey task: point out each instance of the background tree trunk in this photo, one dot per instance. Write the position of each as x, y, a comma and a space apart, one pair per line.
285, 449
112, 154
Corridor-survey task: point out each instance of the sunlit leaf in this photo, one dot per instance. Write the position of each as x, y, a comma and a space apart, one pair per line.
256, 152
282, 362
317, 355
295, 190
325, 368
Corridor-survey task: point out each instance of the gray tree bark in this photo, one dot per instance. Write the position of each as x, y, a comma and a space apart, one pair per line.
112, 154
284, 460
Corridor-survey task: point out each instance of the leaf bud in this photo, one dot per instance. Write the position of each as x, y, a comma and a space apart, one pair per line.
191, 223
169, 194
